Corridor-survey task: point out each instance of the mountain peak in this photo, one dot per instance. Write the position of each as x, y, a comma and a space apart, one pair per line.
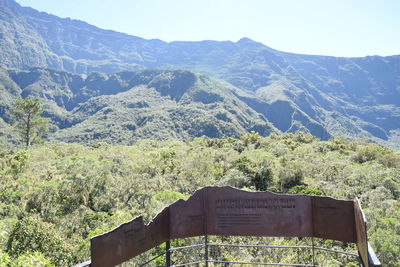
245, 40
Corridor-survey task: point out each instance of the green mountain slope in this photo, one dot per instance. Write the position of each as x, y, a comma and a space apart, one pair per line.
325, 96
126, 106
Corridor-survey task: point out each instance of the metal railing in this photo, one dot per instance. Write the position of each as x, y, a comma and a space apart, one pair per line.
210, 253
206, 245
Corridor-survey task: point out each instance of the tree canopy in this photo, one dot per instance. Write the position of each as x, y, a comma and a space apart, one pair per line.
32, 127
74, 191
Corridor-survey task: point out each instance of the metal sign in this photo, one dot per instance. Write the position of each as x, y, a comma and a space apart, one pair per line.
232, 212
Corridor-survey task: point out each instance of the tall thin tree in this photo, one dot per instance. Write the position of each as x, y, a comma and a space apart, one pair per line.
31, 125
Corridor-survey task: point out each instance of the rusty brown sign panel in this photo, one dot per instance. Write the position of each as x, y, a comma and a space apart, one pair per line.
129, 240
361, 232
333, 219
233, 212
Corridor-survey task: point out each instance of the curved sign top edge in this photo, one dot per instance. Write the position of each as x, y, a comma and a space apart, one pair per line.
229, 211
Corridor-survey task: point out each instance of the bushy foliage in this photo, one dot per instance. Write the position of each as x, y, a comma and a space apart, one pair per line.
35, 259
30, 235
71, 192
302, 189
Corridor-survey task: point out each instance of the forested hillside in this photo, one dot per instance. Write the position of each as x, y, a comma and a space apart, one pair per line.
322, 95
123, 107
55, 197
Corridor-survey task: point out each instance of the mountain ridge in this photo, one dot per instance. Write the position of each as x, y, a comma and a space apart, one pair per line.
323, 95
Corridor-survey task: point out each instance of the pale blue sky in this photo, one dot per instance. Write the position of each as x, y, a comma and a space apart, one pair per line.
324, 27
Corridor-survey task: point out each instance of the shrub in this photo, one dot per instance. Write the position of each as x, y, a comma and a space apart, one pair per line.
303, 189
19, 161
34, 259
290, 176
260, 173
32, 235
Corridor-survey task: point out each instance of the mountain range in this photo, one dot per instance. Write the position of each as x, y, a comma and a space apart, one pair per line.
102, 85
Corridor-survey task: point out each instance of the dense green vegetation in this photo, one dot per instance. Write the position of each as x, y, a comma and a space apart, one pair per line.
53, 198
122, 107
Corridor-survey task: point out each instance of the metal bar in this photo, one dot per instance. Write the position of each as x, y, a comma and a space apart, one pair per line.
372, 258
261, 263
250, 263
206, 250
167, 254
186, 247
261, 246
267, 246
360, 263
338, 251
312, 240
190, 263
83, 264
147, 262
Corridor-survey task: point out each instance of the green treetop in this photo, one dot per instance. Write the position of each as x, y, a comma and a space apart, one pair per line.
31, 125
